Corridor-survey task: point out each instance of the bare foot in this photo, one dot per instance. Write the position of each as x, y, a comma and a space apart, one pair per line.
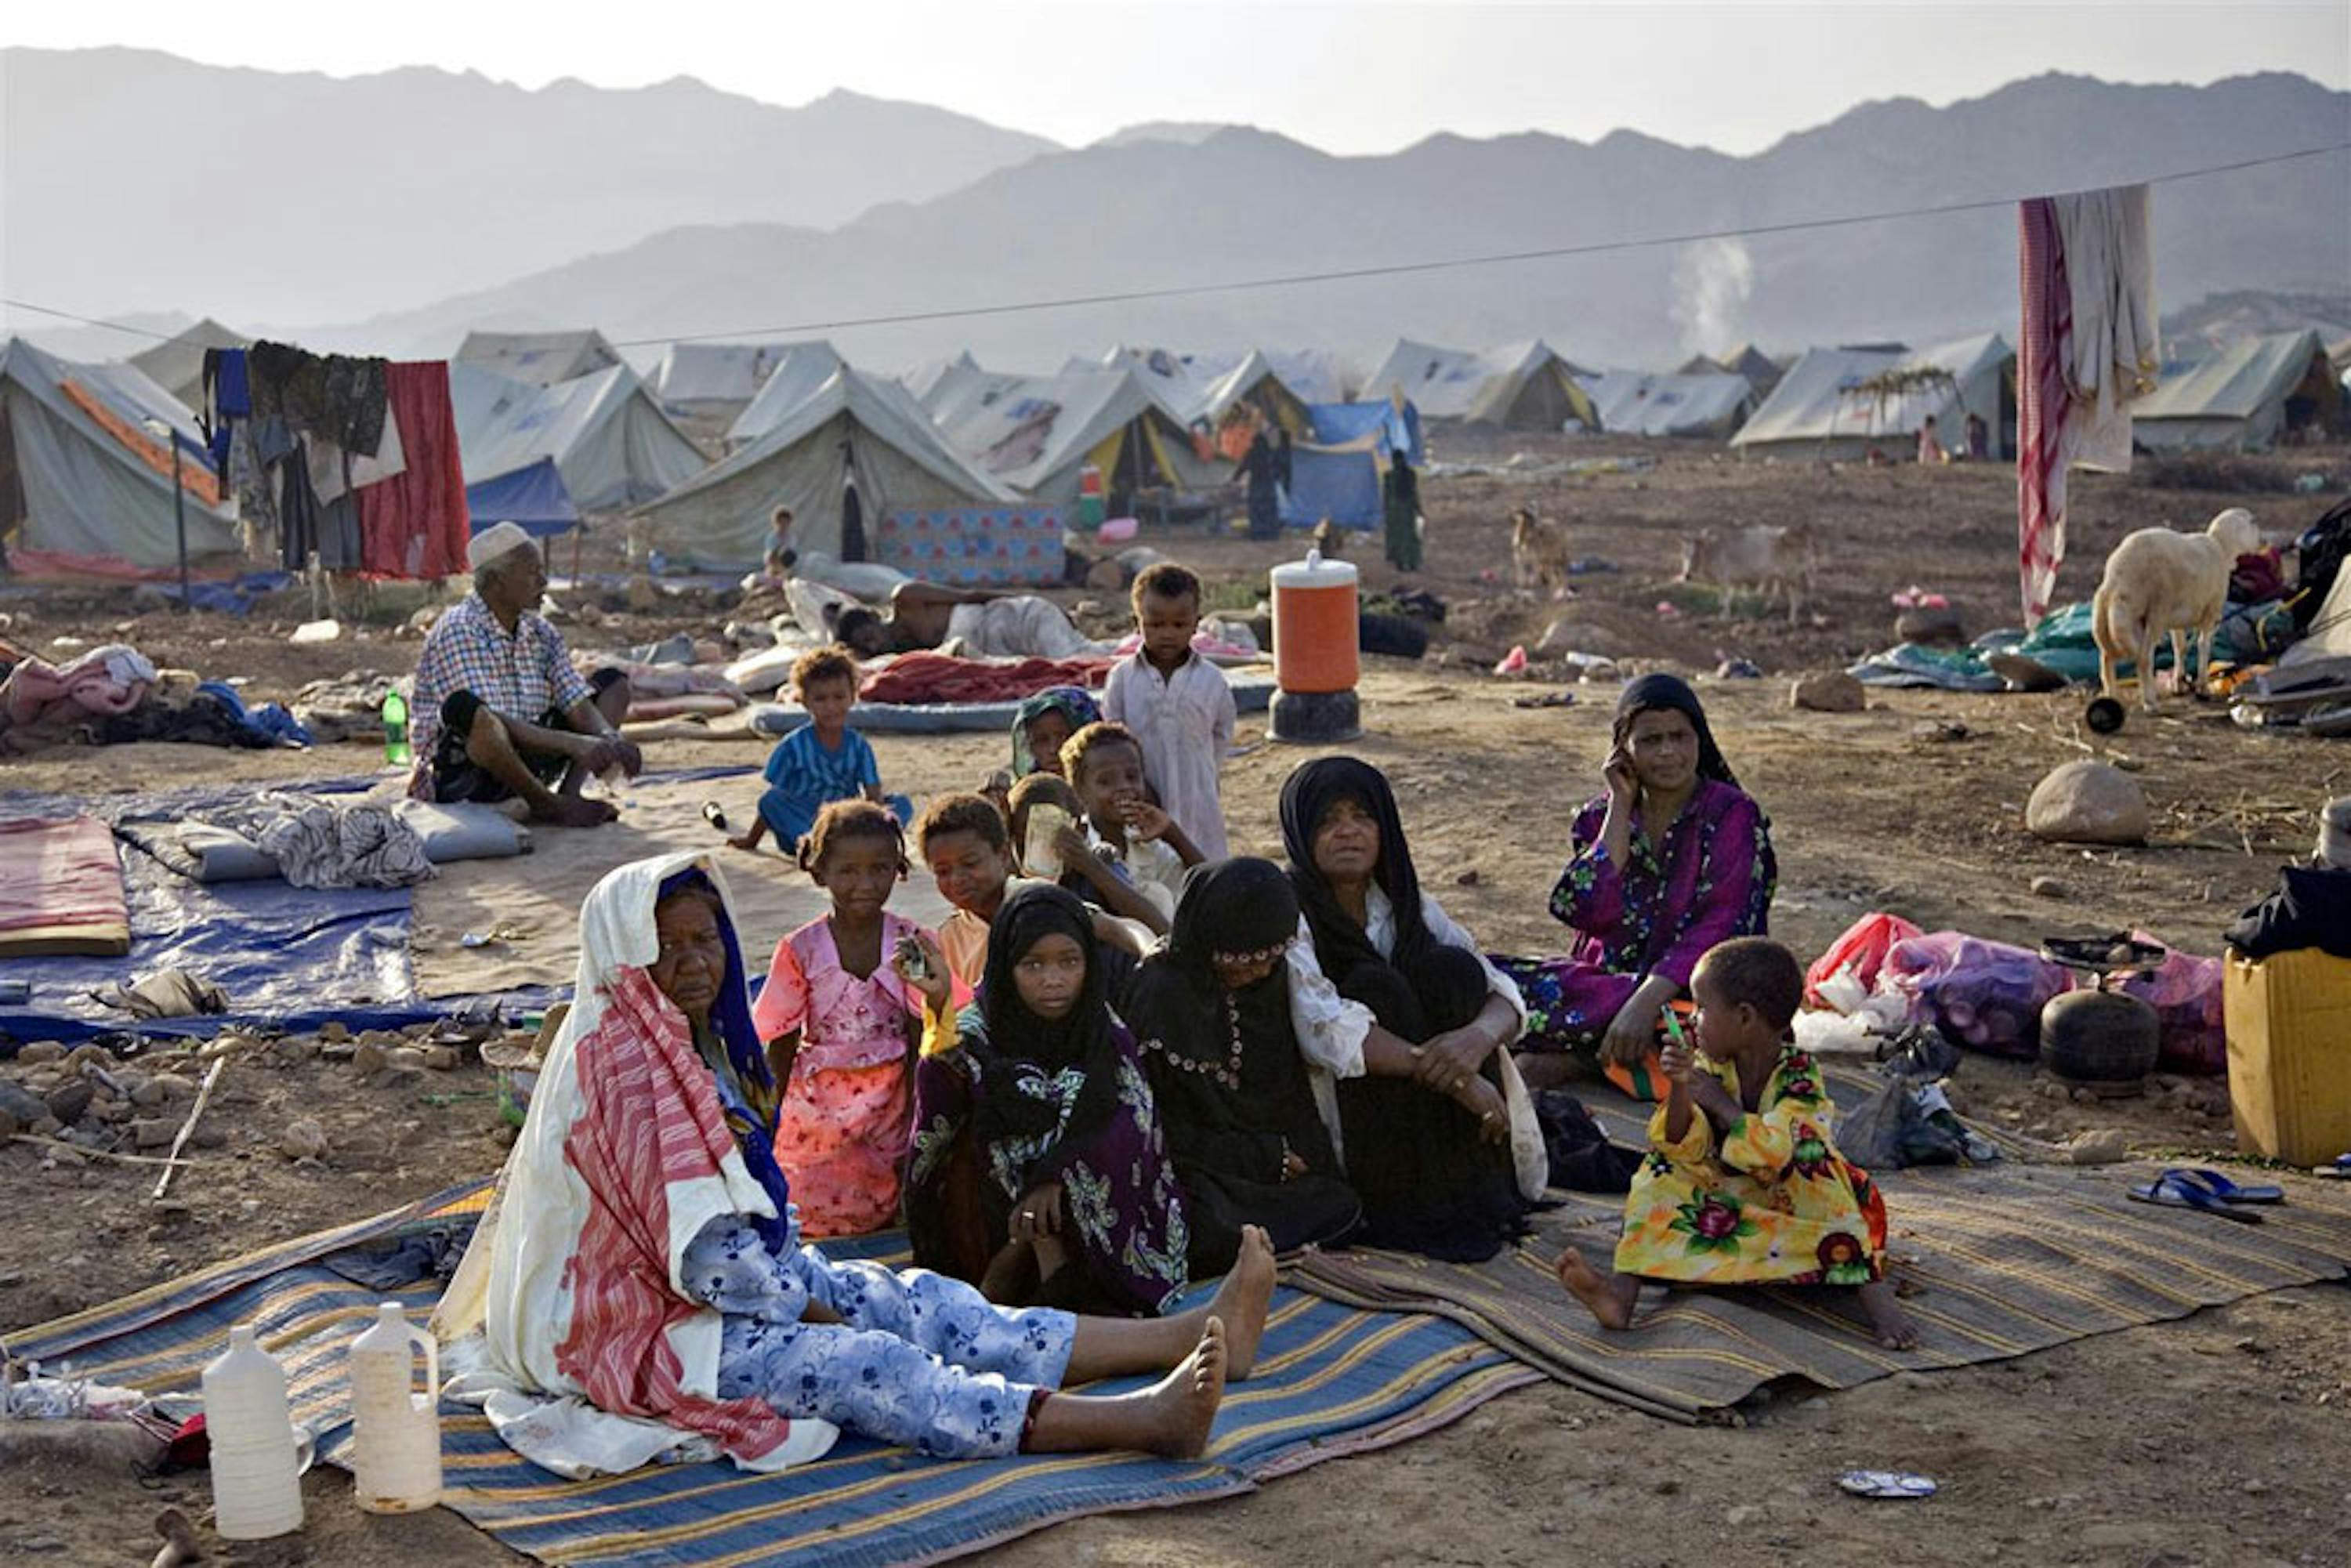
1607, 1297
1892, 1326
1184, 1403
1242, 1299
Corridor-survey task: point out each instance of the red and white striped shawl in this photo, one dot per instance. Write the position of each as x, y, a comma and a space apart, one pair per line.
649, 1119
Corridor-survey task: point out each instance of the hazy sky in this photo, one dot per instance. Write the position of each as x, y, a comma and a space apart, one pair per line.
1350, 77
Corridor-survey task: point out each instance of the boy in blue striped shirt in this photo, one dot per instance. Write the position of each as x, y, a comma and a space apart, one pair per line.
822, 760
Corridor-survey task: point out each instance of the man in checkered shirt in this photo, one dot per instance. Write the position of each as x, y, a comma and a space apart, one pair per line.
499, 712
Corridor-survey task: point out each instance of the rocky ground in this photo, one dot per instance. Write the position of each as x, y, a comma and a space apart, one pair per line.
2201, 1442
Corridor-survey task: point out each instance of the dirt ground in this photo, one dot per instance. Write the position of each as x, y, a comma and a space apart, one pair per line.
2215, 1440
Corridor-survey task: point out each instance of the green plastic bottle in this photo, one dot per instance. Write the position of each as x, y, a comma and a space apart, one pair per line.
395, 728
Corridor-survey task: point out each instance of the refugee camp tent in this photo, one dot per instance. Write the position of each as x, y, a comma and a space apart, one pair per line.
1839, 402
2242, 399
611, 442
1181, 382
539, 359
852, 424
532, 498
1641, 402
926, 378
714, 381
792, 381
1315, 376
87, 490
1747, 361
1336, 471
178, 365
1255, 381
1525, 386
1035, 432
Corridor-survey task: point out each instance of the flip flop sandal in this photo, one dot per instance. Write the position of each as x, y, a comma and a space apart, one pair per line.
2228, 1191
2340, 1165
2167, 1193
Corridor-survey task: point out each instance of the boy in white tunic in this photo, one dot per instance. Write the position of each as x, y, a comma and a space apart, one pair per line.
1177, 704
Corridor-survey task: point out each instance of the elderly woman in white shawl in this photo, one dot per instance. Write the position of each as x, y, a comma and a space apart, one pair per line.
639, 1288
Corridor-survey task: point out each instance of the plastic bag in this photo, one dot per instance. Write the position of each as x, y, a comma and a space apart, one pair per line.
1889, 1131
1986, 996
2185, 996
1862, 951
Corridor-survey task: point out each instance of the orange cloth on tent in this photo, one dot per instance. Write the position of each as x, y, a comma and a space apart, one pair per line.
195, 478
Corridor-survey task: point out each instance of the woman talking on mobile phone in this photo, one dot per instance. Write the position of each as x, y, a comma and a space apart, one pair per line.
1669, 860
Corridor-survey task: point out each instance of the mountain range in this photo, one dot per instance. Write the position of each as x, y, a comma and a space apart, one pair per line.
651, 250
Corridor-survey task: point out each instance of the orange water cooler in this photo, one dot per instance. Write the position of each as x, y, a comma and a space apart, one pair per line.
1315, 659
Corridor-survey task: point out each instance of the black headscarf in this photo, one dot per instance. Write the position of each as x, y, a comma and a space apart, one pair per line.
1652, 693
1000, 1032
1242, 906
1339, 944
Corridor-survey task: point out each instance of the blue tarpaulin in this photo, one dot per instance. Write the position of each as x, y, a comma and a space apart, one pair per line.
532, 498
1335, 473
288, 957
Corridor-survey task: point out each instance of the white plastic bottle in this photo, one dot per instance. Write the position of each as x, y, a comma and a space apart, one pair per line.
256, 1482
395, 1432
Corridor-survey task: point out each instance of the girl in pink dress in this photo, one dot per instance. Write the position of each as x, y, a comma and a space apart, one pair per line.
842, 1015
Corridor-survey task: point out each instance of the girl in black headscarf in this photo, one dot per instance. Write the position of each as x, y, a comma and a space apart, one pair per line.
1038, 1166
1212, 1008
1437, 1136
1670, 859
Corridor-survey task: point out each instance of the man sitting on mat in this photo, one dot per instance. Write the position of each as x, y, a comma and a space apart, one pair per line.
499, 711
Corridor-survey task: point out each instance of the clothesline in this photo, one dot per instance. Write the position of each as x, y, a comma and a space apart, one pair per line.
1337, 275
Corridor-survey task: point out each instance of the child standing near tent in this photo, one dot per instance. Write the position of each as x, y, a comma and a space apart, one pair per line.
823, 760
1743, 1186
1178, 705
842, 1015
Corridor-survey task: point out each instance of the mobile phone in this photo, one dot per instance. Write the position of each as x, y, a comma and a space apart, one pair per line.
911, 961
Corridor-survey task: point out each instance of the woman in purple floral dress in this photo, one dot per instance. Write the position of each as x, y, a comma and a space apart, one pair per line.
1670, 859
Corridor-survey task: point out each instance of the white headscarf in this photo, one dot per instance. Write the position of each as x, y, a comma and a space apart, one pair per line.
510, 1303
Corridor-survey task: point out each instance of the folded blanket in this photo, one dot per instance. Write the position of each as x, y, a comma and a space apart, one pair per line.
937, 678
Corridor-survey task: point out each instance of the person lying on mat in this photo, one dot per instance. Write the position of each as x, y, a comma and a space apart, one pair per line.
1236, 1097
1742, 1184
1038, 1171
1388, 996
643, 1251
499, 712
1671, 859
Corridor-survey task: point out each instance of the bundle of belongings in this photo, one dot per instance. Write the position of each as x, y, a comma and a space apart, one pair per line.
321, 842
113, 694
1884, 976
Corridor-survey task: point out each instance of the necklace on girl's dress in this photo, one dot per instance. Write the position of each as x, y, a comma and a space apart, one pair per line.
1227, 1072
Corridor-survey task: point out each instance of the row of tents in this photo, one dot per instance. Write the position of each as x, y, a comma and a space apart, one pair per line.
555, 425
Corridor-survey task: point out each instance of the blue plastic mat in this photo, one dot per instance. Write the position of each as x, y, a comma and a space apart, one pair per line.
288, 957
1331, 1380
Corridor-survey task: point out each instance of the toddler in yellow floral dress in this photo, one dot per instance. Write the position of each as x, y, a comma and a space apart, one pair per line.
1742, 1184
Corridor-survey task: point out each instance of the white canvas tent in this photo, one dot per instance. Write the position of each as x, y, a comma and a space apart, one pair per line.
2242, 398
712, 379
792, 381
1315, 376
539, 359
1746, 359
852, 423
92, 485
1180, 382
177, 366
610, 440
1640, 402
1035, 432
1838, 402
927, 377
1523, 386
1256, 383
